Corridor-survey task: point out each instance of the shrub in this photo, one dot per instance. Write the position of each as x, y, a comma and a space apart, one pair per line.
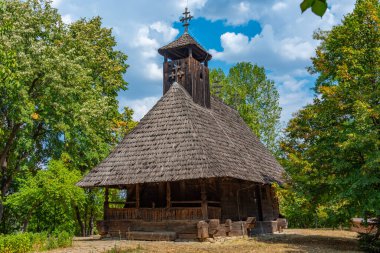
368, 243
32, 242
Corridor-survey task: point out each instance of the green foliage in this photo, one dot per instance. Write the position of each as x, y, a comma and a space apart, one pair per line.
247, 89
45, 201
332, 147
58, 101
296, 207
369, 243
319, 7
32, 242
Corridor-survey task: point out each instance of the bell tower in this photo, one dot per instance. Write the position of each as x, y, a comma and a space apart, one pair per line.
185, 62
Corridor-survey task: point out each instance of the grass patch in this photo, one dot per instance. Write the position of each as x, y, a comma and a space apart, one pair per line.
34, 242
117, 249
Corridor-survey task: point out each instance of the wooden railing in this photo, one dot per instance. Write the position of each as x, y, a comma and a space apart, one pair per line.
159, 214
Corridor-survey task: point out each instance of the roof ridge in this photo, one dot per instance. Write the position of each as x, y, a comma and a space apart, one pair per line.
229, 139
221, 101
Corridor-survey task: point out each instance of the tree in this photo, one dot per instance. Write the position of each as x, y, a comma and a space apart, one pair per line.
47, 201
247, 89
58, 91
332, 147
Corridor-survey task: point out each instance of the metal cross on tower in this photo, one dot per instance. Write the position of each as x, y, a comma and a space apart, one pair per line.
186, 18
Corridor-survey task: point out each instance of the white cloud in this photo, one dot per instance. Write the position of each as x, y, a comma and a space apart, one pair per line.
285, 42
293, 94
145, 44
296, 48
280, 55
153, 71
232, 11
139, 106
167, 32
151, 36
284, 45
243, 7
280, 6
67, 19
192, 4
56, 3
235, 43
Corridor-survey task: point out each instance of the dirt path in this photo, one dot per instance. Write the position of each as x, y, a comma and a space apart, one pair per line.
292, 240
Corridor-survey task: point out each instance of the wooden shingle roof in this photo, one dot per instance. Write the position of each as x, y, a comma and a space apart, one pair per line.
179, 139
175, 50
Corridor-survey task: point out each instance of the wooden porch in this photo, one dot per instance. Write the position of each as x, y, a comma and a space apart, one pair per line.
162, 214
176, 209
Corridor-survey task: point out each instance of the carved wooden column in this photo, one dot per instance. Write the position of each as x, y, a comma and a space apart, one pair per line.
106, 204
168, 195
204, 200
137, 195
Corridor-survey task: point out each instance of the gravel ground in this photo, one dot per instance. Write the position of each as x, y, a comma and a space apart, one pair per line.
292, 240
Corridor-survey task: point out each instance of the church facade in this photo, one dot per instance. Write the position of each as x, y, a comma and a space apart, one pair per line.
191, 168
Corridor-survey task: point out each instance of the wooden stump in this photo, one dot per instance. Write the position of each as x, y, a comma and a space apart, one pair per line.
281, 224
202, 227
213, 227
228, 226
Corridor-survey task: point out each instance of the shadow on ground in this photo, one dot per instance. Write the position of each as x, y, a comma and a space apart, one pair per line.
312, 243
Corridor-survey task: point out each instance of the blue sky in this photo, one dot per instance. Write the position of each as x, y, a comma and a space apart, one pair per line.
270, 33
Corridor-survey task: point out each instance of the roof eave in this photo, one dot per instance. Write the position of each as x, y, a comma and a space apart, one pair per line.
198, 53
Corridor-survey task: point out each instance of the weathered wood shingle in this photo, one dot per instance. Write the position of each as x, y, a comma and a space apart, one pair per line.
185, 41
179, 139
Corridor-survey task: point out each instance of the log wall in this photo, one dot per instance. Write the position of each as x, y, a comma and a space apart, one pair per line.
160, 214
223, 200
240, 200
270, 203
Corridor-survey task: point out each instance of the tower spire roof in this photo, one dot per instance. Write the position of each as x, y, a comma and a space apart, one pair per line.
179, 48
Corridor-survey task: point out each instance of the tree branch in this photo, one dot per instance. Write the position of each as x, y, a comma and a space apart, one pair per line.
34, 82
9, 143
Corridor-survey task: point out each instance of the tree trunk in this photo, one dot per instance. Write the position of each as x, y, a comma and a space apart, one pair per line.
5, 182
26, 222
33, 208
85, 218
1, 209
25, 225
80, 222
91, 223
4, 153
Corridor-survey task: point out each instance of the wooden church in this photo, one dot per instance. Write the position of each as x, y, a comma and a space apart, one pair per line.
191, 168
